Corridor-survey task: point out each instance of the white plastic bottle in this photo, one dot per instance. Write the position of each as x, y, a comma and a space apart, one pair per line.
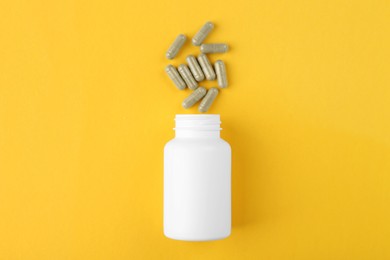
197, 180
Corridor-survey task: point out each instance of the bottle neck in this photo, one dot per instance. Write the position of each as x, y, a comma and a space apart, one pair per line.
197, 134
197, 126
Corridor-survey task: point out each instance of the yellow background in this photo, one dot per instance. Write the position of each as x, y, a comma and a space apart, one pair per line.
86, 108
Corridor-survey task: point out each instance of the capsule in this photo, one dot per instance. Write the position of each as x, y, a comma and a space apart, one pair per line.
214, 48
208, 100
197, 95
176, 46
195, 68
202, 33
175, 77
206, 67
187, 76
220, 70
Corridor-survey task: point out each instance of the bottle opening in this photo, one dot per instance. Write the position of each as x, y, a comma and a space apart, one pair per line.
198, 122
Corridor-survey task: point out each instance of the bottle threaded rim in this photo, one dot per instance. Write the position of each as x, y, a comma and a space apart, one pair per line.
209, 122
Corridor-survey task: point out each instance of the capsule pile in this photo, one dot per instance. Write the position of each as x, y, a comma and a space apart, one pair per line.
198, 69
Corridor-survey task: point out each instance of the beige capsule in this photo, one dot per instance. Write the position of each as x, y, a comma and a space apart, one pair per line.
202, 33
220, 70
187, 76
204, 106
175, 77
197, 95
207, 69
176, 46
195, 68
214, 48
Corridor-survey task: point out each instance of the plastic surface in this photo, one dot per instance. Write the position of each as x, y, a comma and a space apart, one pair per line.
197, 181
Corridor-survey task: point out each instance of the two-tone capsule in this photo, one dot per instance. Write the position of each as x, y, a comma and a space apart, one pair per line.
175, 77
187, 76
195, 96
176, 46
202, 34
208, 100
220, 70
195, 68
206, 67
214, 48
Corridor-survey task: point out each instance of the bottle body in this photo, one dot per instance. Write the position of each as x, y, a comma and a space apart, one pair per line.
197, 182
